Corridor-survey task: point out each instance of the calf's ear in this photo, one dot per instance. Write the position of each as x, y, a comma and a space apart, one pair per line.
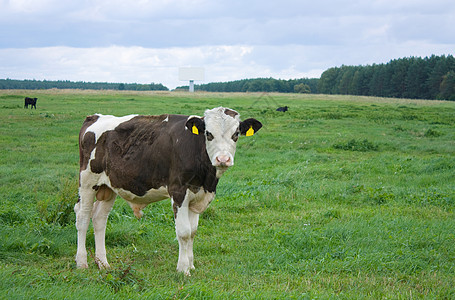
249, 127
196, 125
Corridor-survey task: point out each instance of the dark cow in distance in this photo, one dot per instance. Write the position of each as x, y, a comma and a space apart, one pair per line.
30, 101
282, 109
145, 159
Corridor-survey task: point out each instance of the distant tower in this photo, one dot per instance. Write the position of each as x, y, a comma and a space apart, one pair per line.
191, 74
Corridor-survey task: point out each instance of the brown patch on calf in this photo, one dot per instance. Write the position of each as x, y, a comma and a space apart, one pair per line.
175, 208
230, 112
86, 142
97, 165
136, 153
86, 146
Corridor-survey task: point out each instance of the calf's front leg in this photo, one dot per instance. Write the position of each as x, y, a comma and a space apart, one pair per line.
194, 220
184, 236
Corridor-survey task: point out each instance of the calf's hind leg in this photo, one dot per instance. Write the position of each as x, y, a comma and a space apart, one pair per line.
102, 207
83, 210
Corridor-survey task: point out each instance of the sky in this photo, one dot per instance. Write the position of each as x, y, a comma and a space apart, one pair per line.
144, 41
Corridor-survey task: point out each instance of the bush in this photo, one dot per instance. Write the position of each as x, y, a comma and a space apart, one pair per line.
432, 133
11, 217
61, 210
302, 88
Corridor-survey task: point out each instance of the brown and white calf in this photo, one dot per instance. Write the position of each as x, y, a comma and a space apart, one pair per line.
145, 159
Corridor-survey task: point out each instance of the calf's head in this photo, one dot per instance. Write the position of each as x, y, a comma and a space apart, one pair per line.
222, 127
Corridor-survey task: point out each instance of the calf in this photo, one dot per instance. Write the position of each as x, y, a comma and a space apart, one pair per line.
145, 159
30, 101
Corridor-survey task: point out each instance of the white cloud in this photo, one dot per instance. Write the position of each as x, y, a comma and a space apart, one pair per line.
143, 65
122, 64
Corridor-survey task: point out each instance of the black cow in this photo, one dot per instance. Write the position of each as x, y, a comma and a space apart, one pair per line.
30, 101
145, 159
283, 109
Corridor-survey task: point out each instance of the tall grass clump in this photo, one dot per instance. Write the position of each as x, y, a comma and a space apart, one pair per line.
59, 209
357, 145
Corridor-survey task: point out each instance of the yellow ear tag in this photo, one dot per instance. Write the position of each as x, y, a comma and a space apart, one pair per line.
250, 131
195, 131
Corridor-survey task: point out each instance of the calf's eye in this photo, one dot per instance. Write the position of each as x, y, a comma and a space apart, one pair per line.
235, 136
210, 136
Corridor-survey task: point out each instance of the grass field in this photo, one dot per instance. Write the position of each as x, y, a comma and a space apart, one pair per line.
341, 197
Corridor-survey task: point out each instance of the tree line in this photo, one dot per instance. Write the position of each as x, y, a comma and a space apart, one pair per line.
304, 85
414, 77
60, 84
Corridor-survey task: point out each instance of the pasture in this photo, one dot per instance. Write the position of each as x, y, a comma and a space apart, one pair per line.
340, 197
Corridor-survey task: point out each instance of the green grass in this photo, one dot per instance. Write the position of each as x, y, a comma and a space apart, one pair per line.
341, 197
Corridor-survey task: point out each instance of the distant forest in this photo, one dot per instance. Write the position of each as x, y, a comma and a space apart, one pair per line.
304, 85
416, 78
46, 84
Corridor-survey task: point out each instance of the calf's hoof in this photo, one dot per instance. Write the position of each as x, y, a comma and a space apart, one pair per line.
185, 271
102, 265
82, 265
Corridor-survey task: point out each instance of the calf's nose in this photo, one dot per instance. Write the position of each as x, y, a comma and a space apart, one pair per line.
223, 161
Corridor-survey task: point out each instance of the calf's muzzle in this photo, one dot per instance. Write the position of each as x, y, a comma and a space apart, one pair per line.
223, 161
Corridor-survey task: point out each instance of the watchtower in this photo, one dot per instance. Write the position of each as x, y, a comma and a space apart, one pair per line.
191, 74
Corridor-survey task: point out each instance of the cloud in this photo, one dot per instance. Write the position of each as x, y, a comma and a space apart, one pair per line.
144, 65
147, 40
173, 23
123, 64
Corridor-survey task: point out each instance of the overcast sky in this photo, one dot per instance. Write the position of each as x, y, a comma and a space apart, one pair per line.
147, 41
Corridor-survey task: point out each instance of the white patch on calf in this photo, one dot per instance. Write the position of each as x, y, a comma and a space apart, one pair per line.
106, 123
152, 195
201, 201
89, 179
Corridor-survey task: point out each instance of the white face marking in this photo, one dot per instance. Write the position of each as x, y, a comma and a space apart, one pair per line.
220, 129
105, 123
